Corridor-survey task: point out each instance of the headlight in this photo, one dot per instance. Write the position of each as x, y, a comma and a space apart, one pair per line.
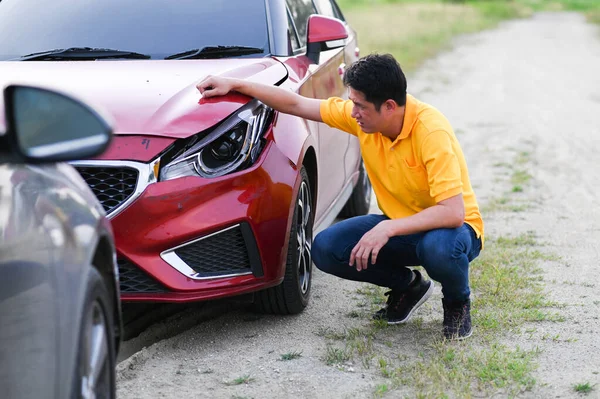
234, 144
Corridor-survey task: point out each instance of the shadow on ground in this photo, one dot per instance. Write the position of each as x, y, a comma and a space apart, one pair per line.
147, 323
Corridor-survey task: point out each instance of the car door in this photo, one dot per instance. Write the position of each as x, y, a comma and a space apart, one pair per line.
350, 51
324, 81
28, 337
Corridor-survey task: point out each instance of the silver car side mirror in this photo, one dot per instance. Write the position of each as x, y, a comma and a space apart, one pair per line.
47, 126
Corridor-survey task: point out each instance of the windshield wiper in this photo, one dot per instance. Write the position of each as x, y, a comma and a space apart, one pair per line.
82, 53
215, 52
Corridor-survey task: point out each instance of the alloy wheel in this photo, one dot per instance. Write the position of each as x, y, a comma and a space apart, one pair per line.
95, 373
304, 237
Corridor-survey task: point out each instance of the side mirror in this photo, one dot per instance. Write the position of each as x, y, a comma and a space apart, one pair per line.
324, 33
46, 126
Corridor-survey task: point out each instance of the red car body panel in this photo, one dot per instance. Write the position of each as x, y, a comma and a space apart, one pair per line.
159, 99
136, 148
173, 212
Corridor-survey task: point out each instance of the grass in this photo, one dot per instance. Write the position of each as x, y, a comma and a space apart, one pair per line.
291, 355
405, 28
584, 388
590, 8
336, 356
520, 177
503, 204
381, 390
508, 293
246, 379
460, 371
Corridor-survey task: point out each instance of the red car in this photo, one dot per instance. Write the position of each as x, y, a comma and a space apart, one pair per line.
207, 197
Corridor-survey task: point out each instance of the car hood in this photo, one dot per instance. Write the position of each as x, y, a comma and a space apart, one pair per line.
157, 98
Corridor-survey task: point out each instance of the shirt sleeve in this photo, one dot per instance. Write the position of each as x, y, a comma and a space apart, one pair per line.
336, 112
443, 167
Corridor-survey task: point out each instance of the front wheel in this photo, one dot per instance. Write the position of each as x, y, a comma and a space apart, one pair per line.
292, 295
95, 371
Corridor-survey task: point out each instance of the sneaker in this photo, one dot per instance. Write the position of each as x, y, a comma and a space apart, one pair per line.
401, 305
457, 320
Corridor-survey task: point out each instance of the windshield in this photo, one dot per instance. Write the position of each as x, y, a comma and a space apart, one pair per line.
158, 28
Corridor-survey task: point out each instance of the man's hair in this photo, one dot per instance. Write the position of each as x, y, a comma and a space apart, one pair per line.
379, 77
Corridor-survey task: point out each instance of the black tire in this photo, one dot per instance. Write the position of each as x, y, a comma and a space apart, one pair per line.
96, 328
360, 201
292, 295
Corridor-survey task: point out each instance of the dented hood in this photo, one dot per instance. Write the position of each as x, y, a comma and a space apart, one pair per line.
156, 98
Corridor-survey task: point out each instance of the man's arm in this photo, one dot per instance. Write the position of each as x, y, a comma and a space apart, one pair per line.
449, 213
275, 97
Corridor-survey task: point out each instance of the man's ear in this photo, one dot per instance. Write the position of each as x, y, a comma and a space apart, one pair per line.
390, 105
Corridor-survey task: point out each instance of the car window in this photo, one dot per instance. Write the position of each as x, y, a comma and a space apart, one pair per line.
292, 34
155, 27
326, 8
301, 10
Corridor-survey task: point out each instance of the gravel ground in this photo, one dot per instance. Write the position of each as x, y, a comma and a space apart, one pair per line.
528, 86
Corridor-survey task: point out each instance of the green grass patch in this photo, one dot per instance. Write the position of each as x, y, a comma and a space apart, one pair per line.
523, 157
415, 31
590, 8
291, 355
503, 204
246, 379
461, 371
381, 390
525, 239
336, 356
584, 388
493, 10
507, 294
509, 290
520, 177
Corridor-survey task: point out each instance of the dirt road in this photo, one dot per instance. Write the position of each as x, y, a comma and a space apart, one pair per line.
531, 87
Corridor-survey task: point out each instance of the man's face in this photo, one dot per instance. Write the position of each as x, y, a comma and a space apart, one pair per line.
369, 119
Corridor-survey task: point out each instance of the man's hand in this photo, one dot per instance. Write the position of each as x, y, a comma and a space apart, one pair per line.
213, 86
369, 245
278, 98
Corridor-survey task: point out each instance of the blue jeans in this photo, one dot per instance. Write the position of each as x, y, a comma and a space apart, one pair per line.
444, 253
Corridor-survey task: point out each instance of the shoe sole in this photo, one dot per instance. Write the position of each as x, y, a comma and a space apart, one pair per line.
421, 301
458, 338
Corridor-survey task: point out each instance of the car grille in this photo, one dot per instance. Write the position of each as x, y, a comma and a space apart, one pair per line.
133, 280
111, 185
221, 254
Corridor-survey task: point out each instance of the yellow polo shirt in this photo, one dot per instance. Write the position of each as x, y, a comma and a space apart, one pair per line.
421, 167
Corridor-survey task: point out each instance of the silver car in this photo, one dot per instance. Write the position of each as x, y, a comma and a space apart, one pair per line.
60, 319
